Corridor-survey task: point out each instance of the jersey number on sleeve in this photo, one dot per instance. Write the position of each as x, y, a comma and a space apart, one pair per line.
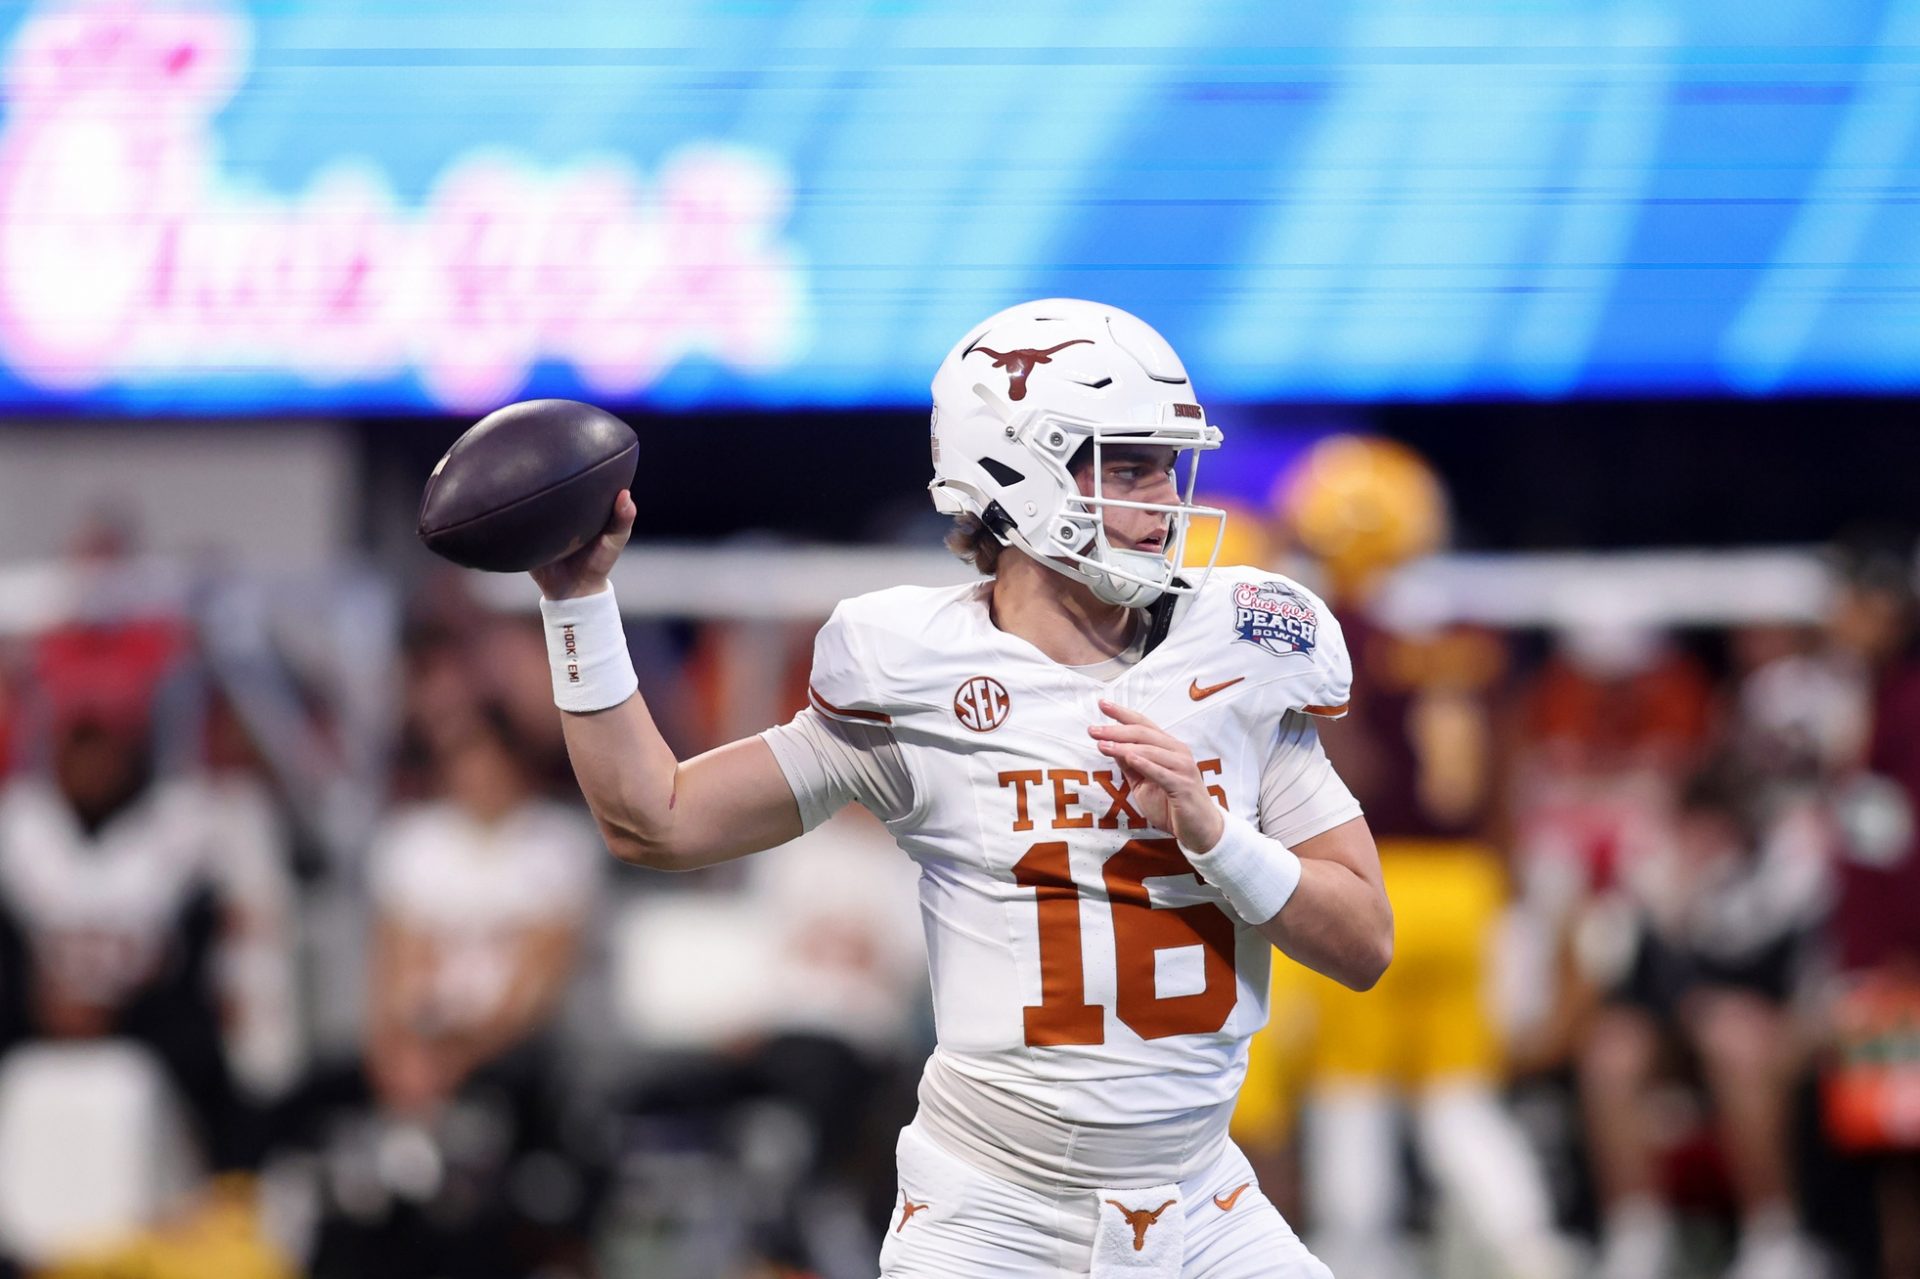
1140, 931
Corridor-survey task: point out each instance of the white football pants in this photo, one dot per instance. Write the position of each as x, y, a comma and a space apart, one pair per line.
952, 1221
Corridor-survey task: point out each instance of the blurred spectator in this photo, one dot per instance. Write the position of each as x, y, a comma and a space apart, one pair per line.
145, 921
481, 899
849, 1025
461, 657
1616, 698
1604, 729
114, 907
1874, 1078
798, 1005
1419, 751
1717, 924
258, 979
443, 1150
1873, 625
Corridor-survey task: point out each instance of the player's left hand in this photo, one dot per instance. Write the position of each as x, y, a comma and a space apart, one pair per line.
1167, 787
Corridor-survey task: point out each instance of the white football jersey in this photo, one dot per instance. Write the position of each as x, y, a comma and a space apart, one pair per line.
99, 909
474, 887
1076, 958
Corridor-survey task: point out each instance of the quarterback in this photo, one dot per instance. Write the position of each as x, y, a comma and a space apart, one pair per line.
1107, 770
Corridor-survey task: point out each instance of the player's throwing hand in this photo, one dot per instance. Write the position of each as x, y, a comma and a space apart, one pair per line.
1167, 788
585, 571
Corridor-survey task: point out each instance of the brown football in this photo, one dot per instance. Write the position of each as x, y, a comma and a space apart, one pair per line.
527, 485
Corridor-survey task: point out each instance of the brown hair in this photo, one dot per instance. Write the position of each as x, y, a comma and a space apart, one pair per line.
975, 543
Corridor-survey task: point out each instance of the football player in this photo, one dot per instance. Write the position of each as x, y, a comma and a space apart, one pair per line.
1107, 769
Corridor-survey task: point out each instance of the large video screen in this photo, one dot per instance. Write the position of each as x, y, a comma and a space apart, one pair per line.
442, 205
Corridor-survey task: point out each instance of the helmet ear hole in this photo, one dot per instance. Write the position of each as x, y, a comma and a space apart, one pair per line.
1001, 472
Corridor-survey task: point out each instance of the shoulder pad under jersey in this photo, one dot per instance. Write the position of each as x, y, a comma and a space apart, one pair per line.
874, 654
1305, 655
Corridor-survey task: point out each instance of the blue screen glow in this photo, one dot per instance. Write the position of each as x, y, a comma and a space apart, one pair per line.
442, 205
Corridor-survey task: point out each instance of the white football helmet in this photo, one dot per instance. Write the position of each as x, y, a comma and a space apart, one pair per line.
1017, 397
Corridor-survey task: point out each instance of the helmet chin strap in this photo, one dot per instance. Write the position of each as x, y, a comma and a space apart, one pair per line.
1102, 555
1106, 588
1118, 590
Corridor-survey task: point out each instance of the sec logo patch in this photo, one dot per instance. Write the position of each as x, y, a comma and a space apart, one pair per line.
981, 704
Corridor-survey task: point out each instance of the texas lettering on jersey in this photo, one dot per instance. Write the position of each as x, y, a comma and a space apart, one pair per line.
1064, 786
1072, 946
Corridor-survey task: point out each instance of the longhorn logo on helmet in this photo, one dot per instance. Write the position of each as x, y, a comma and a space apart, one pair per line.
1020, 364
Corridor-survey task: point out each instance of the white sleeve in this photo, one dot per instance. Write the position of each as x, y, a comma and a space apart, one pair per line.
1300, 794
831, 763
1325, 689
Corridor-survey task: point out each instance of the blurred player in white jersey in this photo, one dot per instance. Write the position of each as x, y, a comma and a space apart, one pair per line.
1107, 770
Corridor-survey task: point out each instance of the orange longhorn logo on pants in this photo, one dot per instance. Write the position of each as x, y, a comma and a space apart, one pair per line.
1140, 1219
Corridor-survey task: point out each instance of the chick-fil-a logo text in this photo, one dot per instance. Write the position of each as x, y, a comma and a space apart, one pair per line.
127, 254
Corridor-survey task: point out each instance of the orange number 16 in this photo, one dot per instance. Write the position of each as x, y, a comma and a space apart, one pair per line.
1140, 931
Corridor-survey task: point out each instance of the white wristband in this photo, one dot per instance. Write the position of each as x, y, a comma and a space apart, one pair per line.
587, 649
1257, 875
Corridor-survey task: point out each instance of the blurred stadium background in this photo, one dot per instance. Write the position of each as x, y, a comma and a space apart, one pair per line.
1572, 348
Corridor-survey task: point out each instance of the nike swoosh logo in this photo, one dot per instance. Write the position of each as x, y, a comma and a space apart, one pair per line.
1199, 694
1226, 1204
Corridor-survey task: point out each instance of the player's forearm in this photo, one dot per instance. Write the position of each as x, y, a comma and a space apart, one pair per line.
657, 812
627, 773
1336, 923
626, 770
1321, 902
